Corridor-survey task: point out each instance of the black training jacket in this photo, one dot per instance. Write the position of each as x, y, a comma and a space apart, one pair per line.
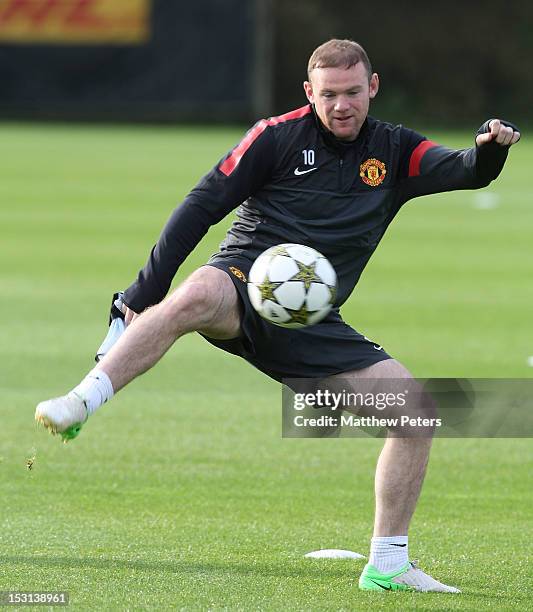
293, 181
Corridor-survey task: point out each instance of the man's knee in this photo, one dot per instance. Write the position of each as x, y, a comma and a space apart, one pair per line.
393, 394
204, 300
193, 300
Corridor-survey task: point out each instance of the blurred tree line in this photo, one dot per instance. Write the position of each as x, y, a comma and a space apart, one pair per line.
439, 63
455, 62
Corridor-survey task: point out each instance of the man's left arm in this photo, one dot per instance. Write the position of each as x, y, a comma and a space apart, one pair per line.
432, 168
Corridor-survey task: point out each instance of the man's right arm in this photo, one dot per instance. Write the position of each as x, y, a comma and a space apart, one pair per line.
242, 172
431, 168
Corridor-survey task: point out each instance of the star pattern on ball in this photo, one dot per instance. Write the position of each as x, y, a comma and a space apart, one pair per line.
279, 250
300, 315
306, 274
267, 288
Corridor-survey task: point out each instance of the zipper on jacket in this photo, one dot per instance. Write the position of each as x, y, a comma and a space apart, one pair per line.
341, 164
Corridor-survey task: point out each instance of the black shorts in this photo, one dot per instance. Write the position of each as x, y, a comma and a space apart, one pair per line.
329, 347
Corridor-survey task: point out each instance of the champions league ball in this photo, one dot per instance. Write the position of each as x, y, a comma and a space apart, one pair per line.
292, 285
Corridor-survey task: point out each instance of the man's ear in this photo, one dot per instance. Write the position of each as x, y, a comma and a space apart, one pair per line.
373, 86
308, 88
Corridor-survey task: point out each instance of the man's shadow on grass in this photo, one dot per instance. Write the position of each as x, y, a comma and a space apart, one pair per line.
310, 567
337, 569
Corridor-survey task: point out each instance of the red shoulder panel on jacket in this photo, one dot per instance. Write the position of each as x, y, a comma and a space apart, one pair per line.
229, 164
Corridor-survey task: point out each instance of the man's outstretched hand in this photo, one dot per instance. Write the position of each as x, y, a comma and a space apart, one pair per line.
500, 133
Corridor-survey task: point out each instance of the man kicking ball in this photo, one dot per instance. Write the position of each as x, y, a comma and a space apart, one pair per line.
328, 176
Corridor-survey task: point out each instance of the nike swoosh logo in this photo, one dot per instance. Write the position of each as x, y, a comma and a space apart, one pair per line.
299, 172
400, 545
386, 588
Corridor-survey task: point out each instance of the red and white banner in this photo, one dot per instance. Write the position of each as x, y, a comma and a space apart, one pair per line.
75, 21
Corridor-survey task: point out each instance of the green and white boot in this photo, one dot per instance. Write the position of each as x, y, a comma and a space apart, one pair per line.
63, 415
408, 578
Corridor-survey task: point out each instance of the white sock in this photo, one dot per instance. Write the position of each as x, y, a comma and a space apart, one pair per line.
95, 389
389, 554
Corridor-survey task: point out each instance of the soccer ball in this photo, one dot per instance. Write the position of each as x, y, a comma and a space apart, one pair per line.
292, 285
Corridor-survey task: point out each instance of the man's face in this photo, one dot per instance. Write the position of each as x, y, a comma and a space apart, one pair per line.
341, 97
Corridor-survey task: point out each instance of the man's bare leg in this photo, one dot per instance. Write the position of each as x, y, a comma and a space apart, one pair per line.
400, 473
399, 476
400, 469
401, 465
207, 301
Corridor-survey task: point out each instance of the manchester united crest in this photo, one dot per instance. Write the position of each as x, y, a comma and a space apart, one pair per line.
238, 273
373, 172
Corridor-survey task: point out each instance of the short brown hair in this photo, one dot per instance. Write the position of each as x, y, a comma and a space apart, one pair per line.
336, 53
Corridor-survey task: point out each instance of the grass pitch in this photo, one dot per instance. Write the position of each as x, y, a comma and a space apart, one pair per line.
180, 494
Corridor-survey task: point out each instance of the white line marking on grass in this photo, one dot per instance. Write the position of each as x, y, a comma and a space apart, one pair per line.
334, 553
